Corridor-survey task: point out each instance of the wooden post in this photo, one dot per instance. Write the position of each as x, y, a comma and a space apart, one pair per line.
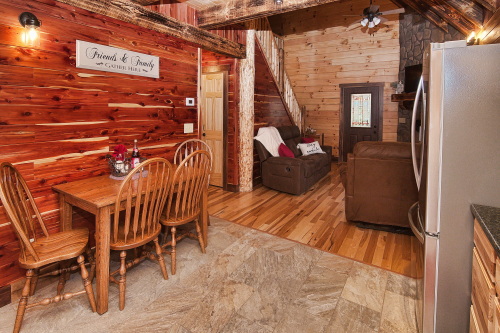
247, 83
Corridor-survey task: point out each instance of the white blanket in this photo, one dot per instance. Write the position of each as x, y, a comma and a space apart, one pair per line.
270, 138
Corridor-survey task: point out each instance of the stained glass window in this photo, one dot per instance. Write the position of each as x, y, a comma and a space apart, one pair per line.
361, 110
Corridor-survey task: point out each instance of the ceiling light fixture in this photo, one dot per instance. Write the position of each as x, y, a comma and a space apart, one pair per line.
278, 2
30, 23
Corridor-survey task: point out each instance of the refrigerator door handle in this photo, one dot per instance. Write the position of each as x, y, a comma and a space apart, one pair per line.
413, 130
419, 233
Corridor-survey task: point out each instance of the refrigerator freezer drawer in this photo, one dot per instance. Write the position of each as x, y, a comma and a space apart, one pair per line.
483, 294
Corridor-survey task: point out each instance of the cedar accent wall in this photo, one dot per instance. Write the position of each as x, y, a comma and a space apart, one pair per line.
269, 107
219, 62
58, 122
324, 49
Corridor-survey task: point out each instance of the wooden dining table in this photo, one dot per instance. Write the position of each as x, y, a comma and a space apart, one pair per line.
97, 195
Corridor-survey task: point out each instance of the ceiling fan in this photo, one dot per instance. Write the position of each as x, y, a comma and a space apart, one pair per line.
372, 16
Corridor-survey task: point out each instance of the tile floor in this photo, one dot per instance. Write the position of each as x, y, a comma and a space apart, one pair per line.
248, 281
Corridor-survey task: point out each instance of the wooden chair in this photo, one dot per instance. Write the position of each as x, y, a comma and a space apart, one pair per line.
183, 205
143, 194
190, 146
39, 248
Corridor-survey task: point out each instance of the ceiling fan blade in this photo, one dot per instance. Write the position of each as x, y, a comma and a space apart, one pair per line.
393, 11
374, 8
353, 15
382, 19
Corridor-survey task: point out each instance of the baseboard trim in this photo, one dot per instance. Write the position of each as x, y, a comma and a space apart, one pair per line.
5, 295
232, 188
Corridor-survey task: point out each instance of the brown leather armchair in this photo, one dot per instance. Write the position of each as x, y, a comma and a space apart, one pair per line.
379, 183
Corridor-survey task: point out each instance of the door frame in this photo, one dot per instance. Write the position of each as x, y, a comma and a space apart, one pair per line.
343, 86
224, 70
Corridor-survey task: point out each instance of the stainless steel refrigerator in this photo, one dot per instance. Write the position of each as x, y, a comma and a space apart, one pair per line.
458, 104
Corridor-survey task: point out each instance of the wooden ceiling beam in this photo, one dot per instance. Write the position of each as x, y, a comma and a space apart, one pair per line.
147, 2
451, 15
490, 5
425, 12
237, 11
130, 12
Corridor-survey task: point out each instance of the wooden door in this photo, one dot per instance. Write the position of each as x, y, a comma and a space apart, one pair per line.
362, 108
212, 113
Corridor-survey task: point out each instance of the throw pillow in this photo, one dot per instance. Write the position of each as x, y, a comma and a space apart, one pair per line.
310, 148
284, 151
307, 140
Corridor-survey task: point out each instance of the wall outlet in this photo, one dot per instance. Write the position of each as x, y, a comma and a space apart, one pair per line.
188, 128
189, 101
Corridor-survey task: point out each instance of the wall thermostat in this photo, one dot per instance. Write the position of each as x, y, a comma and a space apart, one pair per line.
189, 101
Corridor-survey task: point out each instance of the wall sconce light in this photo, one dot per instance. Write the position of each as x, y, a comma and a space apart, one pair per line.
30, 23
471, 39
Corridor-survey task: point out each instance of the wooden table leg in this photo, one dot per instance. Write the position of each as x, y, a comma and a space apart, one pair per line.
66, 211
204, 216
102, 234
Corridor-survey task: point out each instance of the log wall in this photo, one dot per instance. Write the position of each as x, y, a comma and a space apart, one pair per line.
58, 122
324, 49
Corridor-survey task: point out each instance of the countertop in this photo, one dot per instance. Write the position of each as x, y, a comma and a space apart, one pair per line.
489, 219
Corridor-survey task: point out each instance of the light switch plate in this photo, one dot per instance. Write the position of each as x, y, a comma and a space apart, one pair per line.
189, 101
402, 120
188, 128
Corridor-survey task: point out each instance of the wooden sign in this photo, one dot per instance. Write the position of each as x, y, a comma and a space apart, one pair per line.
111, 59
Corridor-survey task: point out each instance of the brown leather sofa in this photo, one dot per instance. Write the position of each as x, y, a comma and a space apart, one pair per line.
293, 175
379, 183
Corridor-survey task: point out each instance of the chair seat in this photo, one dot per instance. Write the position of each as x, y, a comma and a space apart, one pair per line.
121, 244
170, 221
63, 245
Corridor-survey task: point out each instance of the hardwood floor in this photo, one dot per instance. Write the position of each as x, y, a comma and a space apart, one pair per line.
317, 219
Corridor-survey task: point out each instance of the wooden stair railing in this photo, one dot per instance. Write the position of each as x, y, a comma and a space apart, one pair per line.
272, 47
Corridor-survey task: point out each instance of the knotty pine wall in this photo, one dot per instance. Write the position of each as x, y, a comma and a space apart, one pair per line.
58, 122
324, 49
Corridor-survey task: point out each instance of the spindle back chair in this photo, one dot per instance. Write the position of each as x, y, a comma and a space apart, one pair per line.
184, 201
38, 248
138, 207
190, 146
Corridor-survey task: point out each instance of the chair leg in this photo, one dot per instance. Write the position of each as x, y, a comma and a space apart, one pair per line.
200, 236
62, 277
121, 283
34, 281
91, 259
161, 260
173, 255
87, 284
23, 302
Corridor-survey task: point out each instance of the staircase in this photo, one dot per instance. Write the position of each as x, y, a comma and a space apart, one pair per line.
272, 48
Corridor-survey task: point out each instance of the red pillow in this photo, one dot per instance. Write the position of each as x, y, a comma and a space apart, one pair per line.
307, 140
284, 151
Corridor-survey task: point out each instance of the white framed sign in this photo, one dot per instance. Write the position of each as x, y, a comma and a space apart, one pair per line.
112, 59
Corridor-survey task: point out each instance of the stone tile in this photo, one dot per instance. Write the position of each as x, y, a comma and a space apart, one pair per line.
401, 285
352, 317
240, 324
398, 314
366, 286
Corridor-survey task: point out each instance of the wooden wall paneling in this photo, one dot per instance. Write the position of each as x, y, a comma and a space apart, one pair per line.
58, 122
321, 53
491, 30
179, 11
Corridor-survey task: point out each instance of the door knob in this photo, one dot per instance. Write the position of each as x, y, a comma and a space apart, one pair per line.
204, 134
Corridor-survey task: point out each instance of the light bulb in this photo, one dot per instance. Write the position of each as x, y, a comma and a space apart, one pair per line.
371, 24
376, 20
364, 22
